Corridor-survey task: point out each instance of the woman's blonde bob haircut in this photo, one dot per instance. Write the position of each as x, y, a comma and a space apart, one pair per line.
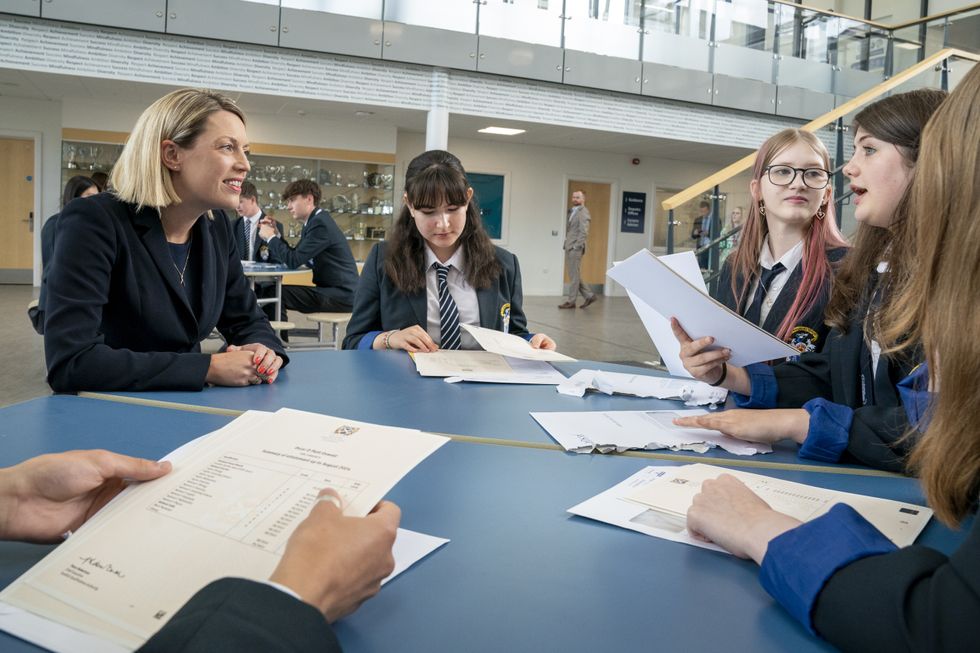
139, 177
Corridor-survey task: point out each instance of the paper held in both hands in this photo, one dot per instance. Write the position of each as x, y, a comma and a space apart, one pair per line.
505, 358
655, 501
226, 510
672, 286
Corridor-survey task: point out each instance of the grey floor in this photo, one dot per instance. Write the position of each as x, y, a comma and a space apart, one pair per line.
608, 330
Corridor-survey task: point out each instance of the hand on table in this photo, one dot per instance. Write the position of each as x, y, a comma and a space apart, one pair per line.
44, 497
240, 365
770, 425
542, 341
334, 562
266, 361
413, 338
735, 518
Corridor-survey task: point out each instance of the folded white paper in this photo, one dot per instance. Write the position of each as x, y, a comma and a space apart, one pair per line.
693, 393
587, 431
666, 292
507, 344
486, 367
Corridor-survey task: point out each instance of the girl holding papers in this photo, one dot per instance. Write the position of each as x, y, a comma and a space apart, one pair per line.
438, 269
841, 403
779, 276
837, 574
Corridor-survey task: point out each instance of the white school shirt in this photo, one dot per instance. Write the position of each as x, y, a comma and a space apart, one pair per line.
463, 294
789, 260
253, 228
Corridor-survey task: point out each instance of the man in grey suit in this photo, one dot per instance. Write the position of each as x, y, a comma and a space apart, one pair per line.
576, 232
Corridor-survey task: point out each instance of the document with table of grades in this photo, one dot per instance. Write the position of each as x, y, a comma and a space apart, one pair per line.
227, 509
485, 367
672, 496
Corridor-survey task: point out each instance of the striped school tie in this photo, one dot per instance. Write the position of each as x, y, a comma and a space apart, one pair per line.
448, 315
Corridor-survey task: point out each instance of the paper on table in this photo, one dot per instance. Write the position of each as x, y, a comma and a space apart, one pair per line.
231, 506
900, 522
410, 547
485, 366
693, 393
668, 293
507, 344
611, 507
583, 432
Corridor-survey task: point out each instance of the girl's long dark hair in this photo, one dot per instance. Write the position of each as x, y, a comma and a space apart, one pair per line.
433, 178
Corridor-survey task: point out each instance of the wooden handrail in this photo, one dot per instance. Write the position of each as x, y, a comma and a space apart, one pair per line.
874, 23
873, 93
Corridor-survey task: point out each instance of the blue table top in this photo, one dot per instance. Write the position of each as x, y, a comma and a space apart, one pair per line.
520, 573
383, 387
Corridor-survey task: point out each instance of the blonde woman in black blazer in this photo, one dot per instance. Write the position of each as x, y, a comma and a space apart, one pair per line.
142, 275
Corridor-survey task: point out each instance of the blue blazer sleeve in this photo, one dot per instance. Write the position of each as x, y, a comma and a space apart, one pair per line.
234, 615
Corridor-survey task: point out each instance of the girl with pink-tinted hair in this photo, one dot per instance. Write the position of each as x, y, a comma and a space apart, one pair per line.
779, 276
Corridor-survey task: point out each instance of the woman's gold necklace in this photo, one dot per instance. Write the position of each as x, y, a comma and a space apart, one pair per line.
187, 258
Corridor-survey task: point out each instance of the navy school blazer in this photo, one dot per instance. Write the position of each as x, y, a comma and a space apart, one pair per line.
117, 317
380, 306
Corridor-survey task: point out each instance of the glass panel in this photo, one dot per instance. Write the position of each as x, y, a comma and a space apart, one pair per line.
529, 21
963, 31
85, 158
858, 47
746, 23
360, 8
610, 27
686, 17
806, 34
455, 15
906, 48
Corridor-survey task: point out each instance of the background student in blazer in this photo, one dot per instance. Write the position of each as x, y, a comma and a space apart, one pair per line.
77, 186
842, 403
322, 246
142, 274
779, 276
836, 574
331, 564
402, 303
246, 227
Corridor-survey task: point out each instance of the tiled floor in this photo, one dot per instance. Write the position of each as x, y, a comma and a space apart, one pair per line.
609, 330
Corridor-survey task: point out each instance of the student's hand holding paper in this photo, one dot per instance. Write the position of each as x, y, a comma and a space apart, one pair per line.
334, 562
734, 517
710, 365
541, 341
45, 497
771, 425
413, 338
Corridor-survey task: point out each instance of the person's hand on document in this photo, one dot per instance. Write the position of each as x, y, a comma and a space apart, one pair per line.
768, 426
45, 497
710, 365
735, 518
413, 338
334, 562
541, 341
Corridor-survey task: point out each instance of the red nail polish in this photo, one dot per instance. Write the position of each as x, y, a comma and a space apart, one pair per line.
261, 370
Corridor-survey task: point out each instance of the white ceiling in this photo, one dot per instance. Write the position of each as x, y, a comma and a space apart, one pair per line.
47, 86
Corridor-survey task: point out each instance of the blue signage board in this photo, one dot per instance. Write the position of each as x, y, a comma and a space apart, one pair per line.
634, 212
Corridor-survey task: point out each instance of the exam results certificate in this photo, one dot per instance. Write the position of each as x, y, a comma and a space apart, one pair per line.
227, 509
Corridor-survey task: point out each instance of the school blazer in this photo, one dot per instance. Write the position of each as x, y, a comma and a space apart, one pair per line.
240, 243
380, 306
810, 334
878, 430
577, 230
117, 318
233, 615
914, 599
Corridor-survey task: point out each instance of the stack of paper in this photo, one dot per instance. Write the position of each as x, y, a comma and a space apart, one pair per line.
655, 501
672, 286
691, 392
227, 509
587, 431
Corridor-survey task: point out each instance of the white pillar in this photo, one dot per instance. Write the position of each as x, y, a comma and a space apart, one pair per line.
437, 129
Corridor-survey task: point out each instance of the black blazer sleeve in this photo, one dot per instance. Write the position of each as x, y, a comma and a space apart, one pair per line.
236, 615
915, 599
512, 280
366, 314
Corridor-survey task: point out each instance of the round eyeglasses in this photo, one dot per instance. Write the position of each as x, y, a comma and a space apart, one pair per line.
815, 178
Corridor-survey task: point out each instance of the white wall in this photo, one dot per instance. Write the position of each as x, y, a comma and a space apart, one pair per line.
27, 118
535, 197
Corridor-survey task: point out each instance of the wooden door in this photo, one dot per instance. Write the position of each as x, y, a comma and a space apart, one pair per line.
16, 180
597, 196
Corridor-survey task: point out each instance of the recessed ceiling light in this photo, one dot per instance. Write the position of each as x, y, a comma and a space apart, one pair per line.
502, 131
908, 45
363, 114
300, 112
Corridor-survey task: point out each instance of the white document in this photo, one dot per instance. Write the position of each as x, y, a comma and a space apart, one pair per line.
693, 393
899, 522
227, 509
484, 366
611, 507
410, 547
508, 344
620, 430
669, 293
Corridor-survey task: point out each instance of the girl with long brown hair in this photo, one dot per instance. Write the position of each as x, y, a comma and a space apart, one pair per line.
842, 403
837, 574
438, 270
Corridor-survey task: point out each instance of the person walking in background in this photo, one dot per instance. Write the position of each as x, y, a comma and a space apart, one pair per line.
576, 233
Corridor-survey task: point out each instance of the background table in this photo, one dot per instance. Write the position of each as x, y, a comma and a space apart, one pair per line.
383, 387
276, 272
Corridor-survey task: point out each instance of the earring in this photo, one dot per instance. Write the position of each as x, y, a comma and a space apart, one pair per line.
822, 212
762, 208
